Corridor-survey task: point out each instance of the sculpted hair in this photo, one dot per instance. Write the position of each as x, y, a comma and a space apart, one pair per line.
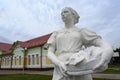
75, 15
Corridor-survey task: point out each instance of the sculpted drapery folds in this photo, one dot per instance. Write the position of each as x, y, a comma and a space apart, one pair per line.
70, 61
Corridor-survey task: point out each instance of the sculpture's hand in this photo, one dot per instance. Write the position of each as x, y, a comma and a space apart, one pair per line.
63, 69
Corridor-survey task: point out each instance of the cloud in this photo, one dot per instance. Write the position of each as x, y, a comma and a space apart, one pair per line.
4, 39
26, 19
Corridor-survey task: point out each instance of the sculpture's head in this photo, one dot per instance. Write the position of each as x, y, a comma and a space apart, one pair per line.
68, 13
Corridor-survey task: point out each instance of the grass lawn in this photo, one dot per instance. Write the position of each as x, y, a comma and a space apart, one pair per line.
30, 77
114, 66
25, 77
112, 69
103, 79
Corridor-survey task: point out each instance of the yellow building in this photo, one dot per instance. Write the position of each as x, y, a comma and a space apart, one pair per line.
5, 55
29, 54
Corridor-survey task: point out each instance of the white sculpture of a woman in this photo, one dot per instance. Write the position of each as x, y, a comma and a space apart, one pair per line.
65, 50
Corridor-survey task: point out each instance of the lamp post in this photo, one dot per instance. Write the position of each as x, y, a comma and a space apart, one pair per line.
24, 51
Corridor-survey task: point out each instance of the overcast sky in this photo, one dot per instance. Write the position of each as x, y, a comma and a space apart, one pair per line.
27, 19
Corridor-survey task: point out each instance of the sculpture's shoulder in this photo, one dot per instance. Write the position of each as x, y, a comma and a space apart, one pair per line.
77, 29
87, 31
54, 32
58, 32
83, 29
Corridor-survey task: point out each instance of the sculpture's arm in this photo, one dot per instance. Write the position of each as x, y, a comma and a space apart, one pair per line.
106, 54
52, 56
55, 60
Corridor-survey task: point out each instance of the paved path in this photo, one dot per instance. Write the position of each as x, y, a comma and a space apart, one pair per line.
107, 76
50, 72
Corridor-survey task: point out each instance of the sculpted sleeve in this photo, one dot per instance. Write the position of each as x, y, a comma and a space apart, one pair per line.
89, 38
52, 39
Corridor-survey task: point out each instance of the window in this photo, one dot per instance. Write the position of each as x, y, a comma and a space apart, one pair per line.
5, 62
19, 60
33, 60
28, 59
9, 60
37, 59
15, 61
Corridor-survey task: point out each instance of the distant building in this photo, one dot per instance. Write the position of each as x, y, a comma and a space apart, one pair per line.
29, 54
5, 55
115, 59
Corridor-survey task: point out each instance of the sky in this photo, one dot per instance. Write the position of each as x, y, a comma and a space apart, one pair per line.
27, 19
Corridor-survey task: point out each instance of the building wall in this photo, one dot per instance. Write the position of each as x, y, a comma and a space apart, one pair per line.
0, 52
46, 62
18, 57
0, 62
37, 58
6, 62
33, 58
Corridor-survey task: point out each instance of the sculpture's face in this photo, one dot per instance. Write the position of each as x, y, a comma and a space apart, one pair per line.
66, 15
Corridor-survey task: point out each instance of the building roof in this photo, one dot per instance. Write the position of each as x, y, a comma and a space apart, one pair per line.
39, 41
5, 47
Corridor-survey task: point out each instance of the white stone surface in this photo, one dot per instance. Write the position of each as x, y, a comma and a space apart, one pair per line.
72, 63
